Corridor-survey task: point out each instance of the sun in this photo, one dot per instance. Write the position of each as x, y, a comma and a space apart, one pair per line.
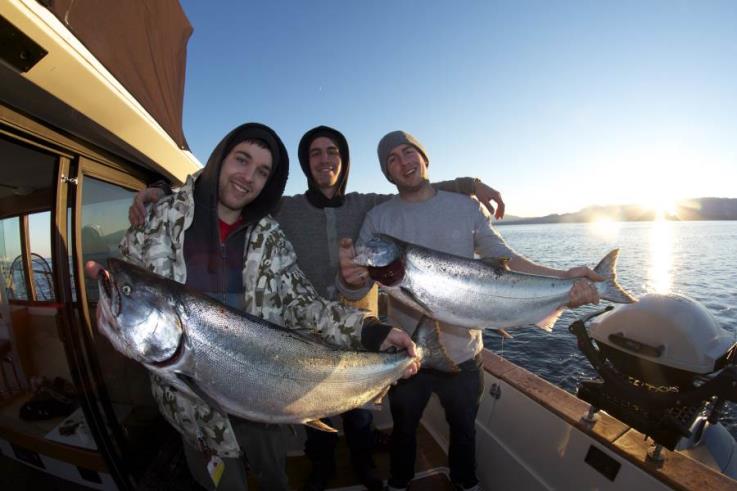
662, 205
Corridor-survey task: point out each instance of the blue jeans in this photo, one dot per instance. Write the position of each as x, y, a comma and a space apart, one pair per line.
460, 395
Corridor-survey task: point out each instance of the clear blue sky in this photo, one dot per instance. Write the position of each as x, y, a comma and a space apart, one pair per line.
559, 105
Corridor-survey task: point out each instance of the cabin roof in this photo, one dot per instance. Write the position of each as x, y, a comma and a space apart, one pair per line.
117, 83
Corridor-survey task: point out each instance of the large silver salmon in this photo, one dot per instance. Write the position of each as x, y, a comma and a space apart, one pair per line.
239, 363
475, 293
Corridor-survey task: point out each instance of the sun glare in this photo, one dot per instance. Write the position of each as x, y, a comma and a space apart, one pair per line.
605, 227
661, 205
656, 176
661, 257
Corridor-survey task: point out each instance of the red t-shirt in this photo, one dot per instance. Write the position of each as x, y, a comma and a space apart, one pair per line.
226, 229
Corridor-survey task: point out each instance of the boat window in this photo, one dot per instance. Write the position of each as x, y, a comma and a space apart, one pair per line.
39, 234
27, 184
104, 221
12, 254
11, 259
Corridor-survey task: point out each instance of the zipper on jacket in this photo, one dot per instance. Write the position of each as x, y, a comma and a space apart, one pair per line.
223, 267
222, 280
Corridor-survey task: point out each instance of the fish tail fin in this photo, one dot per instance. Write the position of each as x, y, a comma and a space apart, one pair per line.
610, 289
432, 353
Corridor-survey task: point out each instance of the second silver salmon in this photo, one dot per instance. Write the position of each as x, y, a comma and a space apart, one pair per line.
475, 293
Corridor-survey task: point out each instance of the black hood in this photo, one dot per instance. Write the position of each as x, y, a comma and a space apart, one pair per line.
314, 195
206, 187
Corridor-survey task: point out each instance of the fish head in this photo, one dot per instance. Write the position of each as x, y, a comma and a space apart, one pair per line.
378, 252
137, 315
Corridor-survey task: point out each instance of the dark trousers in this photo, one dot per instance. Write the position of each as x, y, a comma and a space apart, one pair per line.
320, 445
265, 448
264, 445
460, 395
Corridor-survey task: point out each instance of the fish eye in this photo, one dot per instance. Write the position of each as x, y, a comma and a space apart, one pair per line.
126, 289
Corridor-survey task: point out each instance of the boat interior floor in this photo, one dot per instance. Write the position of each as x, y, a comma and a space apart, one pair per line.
431, 467
169, 470
15, 475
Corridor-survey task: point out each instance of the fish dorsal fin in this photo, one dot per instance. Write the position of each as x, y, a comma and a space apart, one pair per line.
319, 425
498, 263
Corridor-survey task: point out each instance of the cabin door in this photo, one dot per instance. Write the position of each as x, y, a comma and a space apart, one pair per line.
134, 425
64, 397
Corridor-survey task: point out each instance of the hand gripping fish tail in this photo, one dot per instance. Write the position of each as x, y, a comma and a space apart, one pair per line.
431, 352
609, 289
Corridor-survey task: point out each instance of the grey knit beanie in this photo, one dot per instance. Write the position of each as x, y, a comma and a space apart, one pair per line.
393, 139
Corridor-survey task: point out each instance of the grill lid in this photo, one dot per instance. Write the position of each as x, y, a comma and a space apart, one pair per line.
667, 329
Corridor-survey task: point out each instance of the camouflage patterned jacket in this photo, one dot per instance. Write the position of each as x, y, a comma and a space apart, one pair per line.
275, 289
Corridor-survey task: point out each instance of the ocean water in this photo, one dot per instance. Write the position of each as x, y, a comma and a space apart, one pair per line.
697, 259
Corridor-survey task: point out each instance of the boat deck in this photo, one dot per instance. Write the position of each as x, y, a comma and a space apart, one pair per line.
677, 471
430, 467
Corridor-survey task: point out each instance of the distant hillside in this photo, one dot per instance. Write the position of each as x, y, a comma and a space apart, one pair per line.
693, 209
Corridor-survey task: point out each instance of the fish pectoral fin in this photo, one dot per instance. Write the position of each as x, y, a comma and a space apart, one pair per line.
498, 263
377, 402
502, 333
319, 425
416, 300
548, 322
192, 384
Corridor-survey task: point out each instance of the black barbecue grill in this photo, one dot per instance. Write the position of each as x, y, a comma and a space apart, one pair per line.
665, 366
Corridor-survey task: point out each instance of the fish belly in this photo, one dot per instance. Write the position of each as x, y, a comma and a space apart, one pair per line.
499, 304
291, 384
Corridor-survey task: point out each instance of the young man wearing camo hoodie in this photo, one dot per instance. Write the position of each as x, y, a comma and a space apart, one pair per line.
215, 235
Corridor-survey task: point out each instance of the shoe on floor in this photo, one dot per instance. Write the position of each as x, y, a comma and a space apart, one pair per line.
318, 479
370, 478
459, 487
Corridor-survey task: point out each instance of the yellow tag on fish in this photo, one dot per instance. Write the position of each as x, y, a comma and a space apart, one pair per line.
215, 467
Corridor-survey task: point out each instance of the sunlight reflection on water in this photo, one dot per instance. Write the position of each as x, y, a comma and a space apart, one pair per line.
605, 228
695, 259
659, 275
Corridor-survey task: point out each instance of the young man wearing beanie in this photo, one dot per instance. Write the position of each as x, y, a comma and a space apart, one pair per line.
215, 234
314, 222
458, 225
